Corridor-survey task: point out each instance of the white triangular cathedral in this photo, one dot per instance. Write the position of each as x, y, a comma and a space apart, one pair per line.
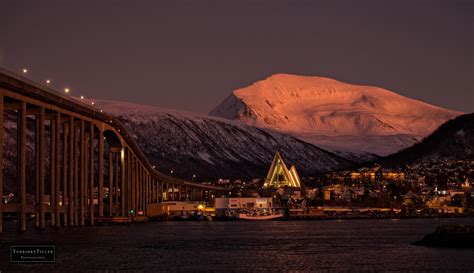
279, 176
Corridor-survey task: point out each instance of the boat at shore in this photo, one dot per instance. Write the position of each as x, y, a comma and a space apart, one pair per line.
259, 215
244, 216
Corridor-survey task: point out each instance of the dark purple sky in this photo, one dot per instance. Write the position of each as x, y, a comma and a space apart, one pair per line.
192, 54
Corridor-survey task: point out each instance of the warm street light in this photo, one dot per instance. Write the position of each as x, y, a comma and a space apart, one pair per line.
24, 70
93, 103
66, 90
82, 97
48, 81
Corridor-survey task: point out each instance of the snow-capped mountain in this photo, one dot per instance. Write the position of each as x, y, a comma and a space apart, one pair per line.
188, 143
333, 114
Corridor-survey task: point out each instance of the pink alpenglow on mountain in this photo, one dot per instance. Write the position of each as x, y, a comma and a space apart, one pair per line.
334, 115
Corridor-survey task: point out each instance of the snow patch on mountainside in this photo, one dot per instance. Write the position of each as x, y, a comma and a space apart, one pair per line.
212, 147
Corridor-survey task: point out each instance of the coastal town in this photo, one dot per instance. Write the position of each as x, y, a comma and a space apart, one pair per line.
437, 188
441, 188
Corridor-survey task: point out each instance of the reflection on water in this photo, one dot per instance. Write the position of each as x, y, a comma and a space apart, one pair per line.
348, 245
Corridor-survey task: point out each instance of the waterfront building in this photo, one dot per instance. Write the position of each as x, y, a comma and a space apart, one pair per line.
174, 208
280, 176
223, 204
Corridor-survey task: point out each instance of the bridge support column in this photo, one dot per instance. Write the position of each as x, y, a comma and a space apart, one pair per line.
65, 174
131, 185
70, 203
91, 174
41, 167
123, 175
22, 166
134, 183
175, 195
101, 173
129, 181
116, 188
111, 181
137, 185
83, 174
76, 175
37, 163
57, 156
160, 191
155, 186
153, 190
163, 191
52, 160
156, 189
1, 160
147, 189
171, 192
142, 188
87, 197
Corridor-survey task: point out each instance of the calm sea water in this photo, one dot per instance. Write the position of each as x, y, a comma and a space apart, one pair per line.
298, 246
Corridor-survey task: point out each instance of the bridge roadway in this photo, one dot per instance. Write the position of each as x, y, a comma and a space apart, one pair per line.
82, 157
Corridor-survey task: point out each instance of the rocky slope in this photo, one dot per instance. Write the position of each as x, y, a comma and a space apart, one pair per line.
212, 148
453, 139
